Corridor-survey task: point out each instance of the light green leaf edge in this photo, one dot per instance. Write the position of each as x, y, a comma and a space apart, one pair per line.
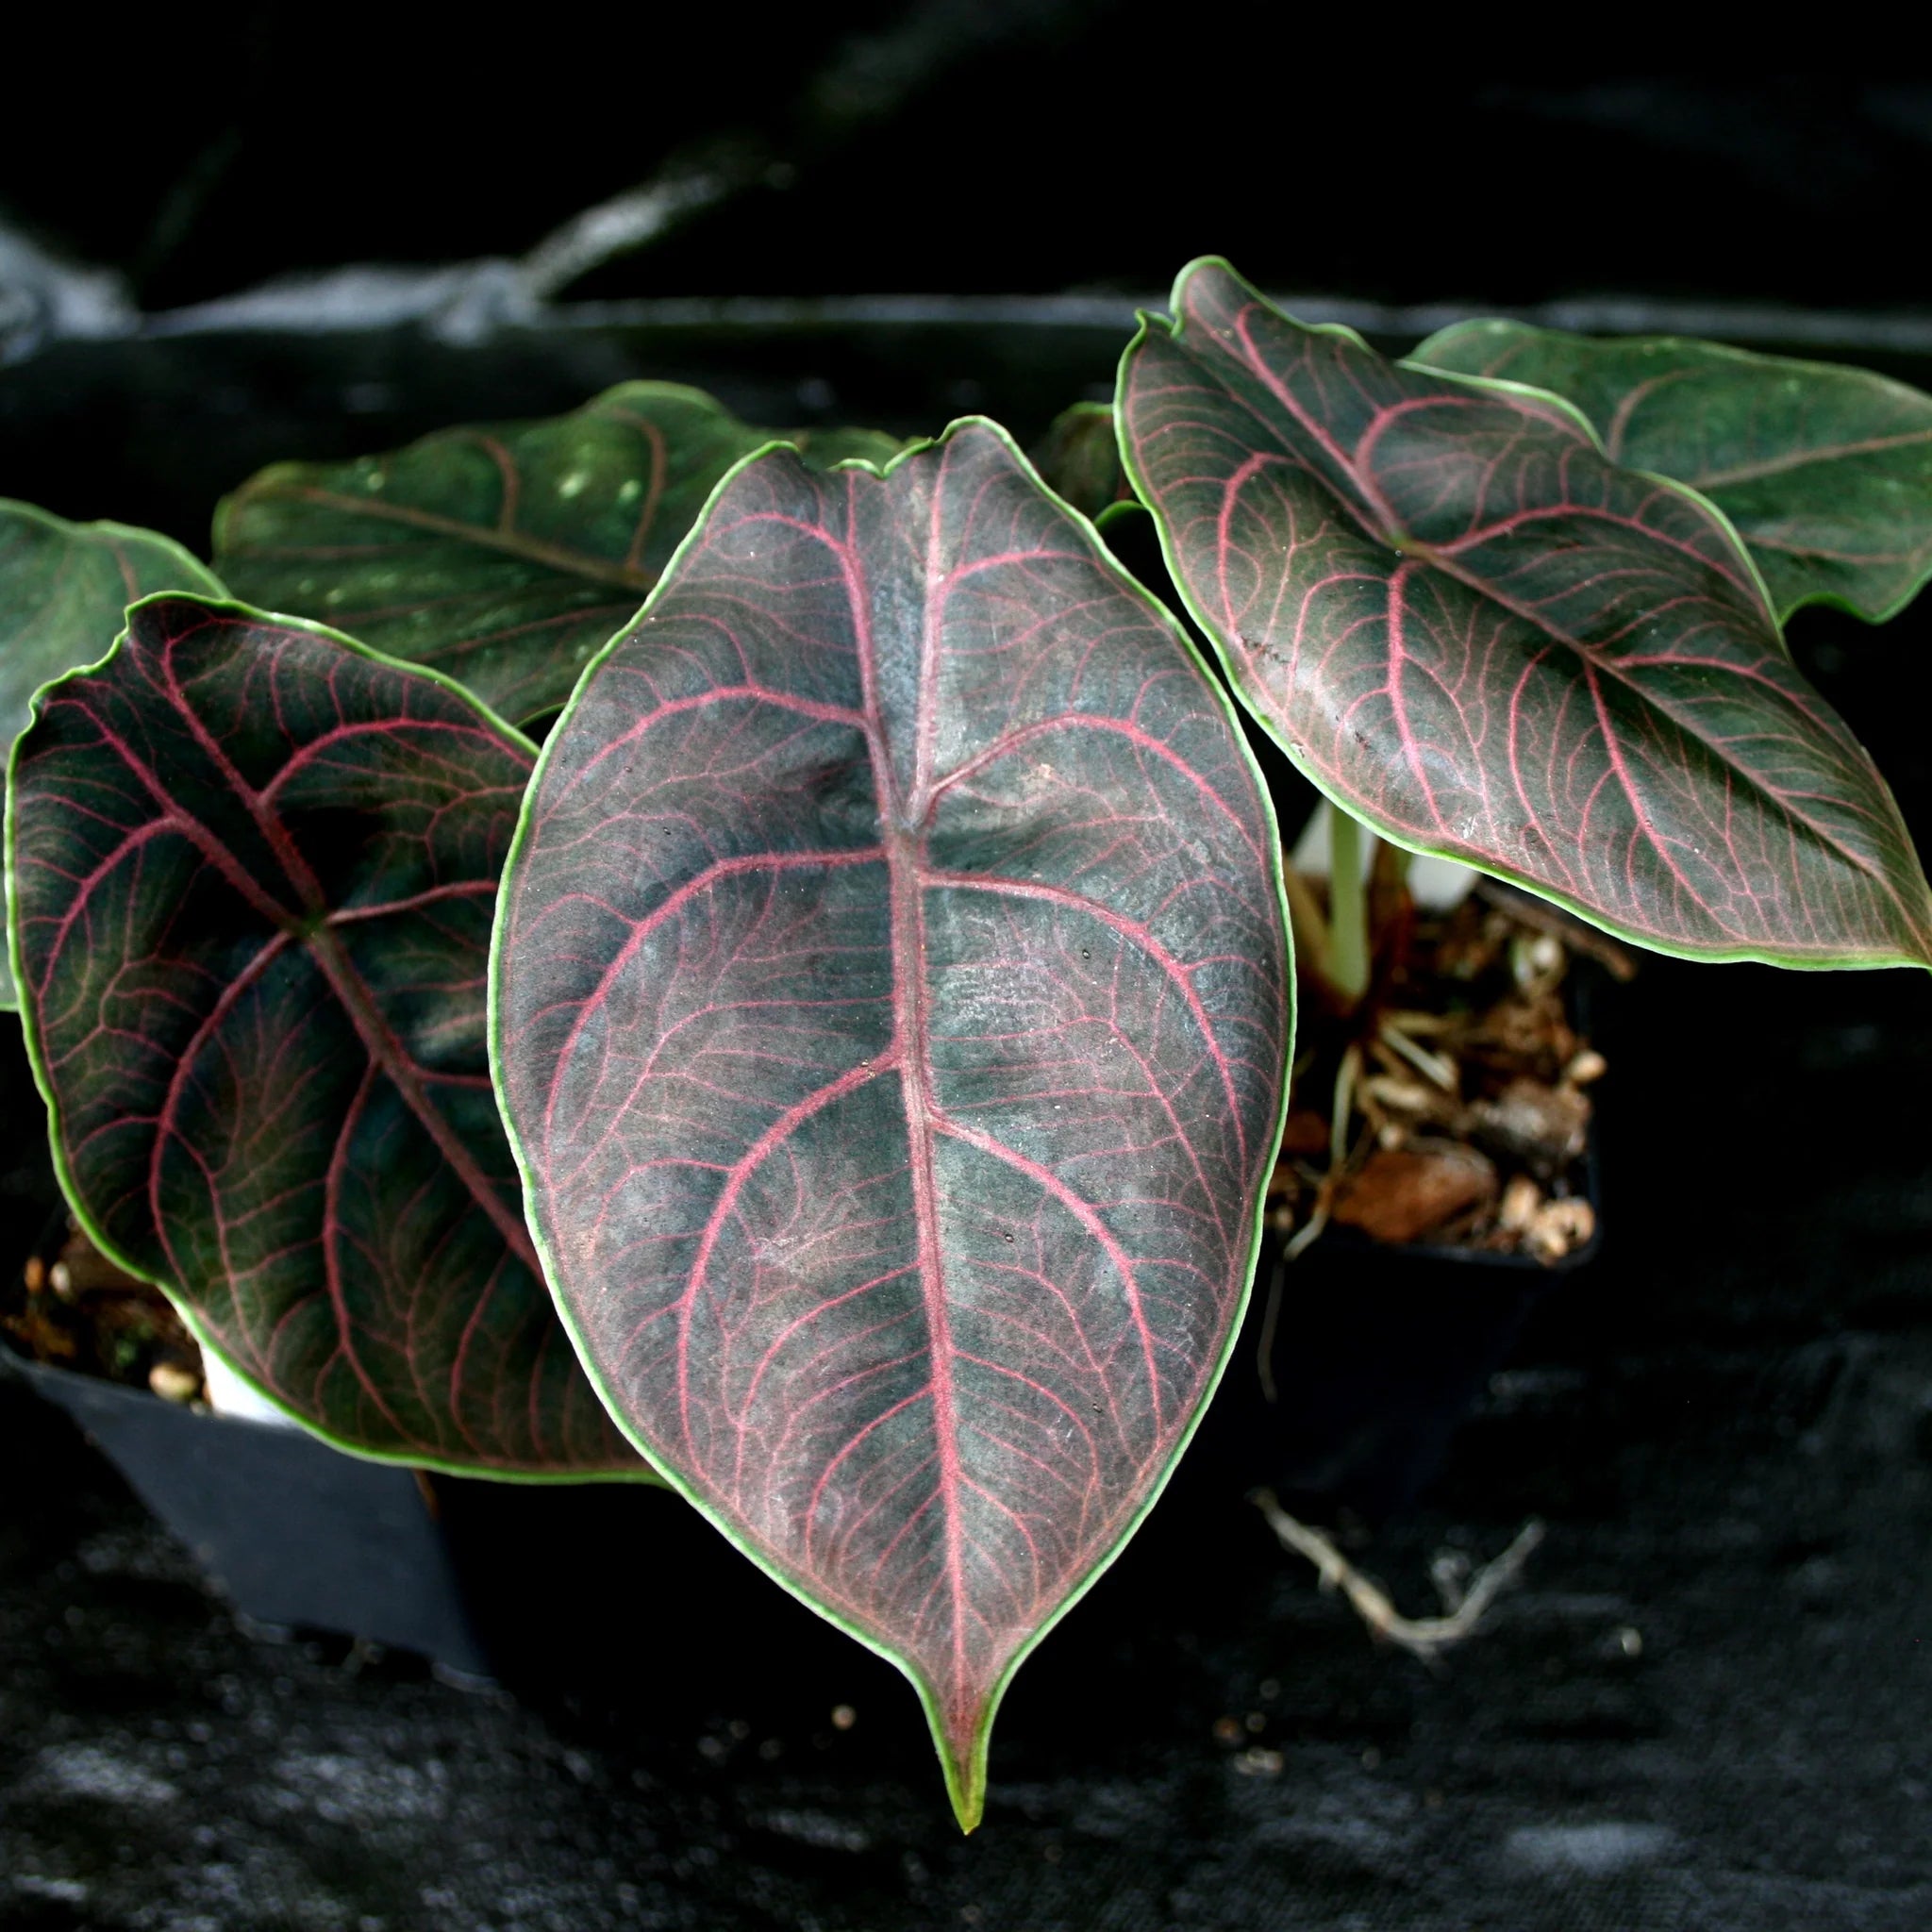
966, 1779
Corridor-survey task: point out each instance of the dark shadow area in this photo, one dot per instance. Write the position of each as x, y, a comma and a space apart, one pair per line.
1707, 1706
946, 145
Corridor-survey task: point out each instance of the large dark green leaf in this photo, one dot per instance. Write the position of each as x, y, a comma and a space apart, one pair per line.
254, 872
63, 587
1487, 640
891, 1000
504, 556
1825, 471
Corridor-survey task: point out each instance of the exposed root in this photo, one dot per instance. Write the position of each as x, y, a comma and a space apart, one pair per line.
1422, 1637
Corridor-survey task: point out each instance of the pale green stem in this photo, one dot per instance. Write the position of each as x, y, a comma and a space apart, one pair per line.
1348, 906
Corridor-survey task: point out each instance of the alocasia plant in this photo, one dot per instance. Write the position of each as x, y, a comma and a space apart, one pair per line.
890, 992
891, 1010
402, 1315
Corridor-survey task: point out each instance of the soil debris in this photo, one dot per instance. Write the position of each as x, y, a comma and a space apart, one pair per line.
1402, 1195
1461, 1089
173, 1382
1304, 1132
75, 1310
1546, 1127
1559, 1227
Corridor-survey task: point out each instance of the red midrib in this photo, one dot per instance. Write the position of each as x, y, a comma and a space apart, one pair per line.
326, 950
899, 821
915, 1082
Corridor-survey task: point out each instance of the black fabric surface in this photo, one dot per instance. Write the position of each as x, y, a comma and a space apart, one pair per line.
1728, 1440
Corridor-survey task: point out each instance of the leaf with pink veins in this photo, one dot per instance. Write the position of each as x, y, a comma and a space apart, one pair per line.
891, 1010
1479, 635
254, 868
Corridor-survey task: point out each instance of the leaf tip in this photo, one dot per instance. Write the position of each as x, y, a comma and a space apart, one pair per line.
960, 1738
966, 1787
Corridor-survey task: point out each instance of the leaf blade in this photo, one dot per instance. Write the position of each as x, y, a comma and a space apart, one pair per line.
1477, 634
809, 863
254, 871
502, 555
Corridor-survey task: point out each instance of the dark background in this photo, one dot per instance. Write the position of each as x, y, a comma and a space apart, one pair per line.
946, 145
1725, 1418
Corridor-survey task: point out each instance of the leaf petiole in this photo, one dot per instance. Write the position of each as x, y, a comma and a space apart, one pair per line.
1348, 906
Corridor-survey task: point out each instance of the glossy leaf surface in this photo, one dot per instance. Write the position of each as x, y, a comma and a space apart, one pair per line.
891, 1007
254, 870
63, 587
1825, 471
1487, 641
503, 555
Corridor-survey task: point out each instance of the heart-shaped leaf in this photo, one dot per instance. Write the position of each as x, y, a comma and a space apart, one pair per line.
503, 555
1479, 635
1826, 471
891, 1008
63, 587
254, 872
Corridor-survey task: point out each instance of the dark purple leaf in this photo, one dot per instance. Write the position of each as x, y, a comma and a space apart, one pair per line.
254, 872
1485, 639
892, 1004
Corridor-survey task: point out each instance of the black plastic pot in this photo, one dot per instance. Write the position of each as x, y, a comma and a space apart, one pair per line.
535, 1586
295, 1534
1379, 1352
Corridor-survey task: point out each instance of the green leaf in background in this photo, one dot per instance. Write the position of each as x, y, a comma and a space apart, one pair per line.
1079, 459
503, 555
1825, 471
63, 588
